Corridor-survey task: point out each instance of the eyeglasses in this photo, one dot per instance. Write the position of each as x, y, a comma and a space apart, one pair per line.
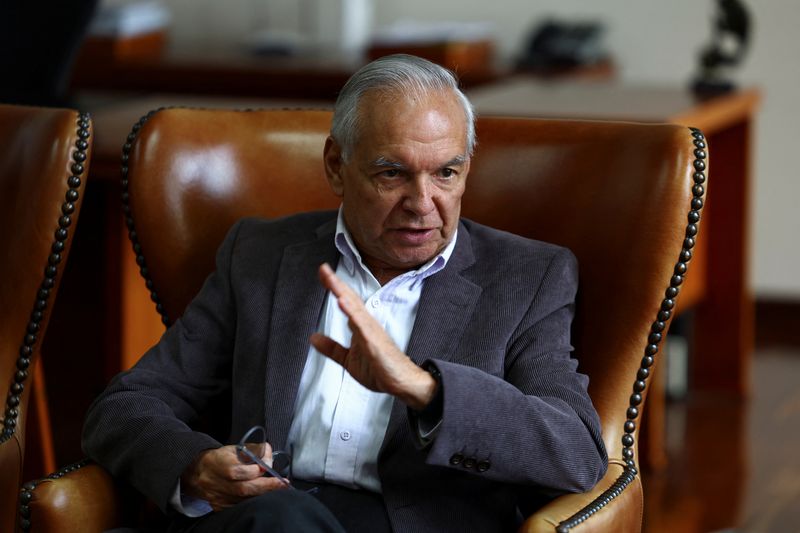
251, 449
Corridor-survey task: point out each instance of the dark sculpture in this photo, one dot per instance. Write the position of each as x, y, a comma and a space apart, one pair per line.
728, 46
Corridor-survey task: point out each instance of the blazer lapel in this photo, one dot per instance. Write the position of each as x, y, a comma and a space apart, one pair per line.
297, 305
448, 301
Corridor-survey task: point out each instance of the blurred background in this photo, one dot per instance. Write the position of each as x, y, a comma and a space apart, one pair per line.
720, 454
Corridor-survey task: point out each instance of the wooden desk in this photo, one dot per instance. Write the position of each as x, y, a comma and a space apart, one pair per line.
116, 320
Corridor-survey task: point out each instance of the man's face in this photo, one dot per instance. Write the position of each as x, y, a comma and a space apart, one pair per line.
402, 184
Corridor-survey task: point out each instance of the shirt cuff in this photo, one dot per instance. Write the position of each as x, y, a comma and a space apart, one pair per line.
426, 423
188, 505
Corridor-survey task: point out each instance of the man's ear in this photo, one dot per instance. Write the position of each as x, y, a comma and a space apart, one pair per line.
332, 157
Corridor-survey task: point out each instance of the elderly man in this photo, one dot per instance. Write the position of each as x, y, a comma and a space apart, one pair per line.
423, 383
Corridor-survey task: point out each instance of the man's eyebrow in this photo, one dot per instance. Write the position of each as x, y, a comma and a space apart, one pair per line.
388, 163
456, 161
382, 162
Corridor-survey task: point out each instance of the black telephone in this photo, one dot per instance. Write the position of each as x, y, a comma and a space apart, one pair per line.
556, 44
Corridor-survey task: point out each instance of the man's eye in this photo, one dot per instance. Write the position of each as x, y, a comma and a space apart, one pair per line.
390, 173
447, 172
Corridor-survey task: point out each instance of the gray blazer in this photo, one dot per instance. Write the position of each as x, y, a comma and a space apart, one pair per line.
495, 322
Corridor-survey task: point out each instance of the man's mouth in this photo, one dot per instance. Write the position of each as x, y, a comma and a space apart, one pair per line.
414, 236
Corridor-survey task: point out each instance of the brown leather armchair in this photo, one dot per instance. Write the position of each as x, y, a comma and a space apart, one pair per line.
626, 198
44, 155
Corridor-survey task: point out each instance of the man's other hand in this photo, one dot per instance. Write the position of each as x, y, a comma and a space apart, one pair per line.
373, 359
218, 477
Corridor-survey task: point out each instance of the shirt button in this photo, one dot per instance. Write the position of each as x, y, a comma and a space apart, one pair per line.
375, 303
344, 435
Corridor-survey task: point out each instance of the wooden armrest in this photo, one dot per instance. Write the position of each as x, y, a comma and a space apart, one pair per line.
80, 497
621, 512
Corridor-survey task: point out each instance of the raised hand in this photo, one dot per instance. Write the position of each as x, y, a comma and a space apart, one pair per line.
373, 359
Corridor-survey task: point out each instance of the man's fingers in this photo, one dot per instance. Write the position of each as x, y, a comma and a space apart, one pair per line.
267, 483
340, 289
349, 301
224, 495
329, 348
244, 472
331, 281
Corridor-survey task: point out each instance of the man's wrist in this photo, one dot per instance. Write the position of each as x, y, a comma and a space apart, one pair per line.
422, 390
427, 421
188, 505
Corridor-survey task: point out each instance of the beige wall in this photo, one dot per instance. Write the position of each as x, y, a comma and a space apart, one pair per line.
652, 41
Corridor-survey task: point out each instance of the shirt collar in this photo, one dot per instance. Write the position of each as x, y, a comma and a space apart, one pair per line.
351, 257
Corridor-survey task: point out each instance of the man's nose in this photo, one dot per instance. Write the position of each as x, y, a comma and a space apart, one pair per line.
419, 196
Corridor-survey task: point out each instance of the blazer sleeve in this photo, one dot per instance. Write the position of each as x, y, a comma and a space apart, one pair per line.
536, 425
139, 427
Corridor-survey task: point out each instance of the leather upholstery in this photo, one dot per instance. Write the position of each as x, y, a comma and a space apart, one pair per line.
624, 515
42, 154
80, 498
617, 194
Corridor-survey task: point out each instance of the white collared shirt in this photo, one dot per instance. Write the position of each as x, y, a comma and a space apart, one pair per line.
338, 425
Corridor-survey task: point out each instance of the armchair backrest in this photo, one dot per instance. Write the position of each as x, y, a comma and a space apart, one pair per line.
617, 194
44, 155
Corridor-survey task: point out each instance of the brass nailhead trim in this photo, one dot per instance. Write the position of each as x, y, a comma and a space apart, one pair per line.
63, 221
662, 318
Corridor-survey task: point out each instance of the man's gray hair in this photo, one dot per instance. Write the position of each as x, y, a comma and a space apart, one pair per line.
399, 73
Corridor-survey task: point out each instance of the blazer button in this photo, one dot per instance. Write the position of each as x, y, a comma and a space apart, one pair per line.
456, 459
469, 462
483, 466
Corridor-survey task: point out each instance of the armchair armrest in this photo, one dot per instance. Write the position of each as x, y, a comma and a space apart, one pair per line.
612, 505
84, 497
79, 497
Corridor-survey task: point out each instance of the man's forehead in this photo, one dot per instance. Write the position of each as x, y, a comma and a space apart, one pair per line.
378, 106
404, 128
411, 94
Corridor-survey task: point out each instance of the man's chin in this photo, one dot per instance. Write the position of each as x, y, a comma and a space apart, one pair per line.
411, 259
